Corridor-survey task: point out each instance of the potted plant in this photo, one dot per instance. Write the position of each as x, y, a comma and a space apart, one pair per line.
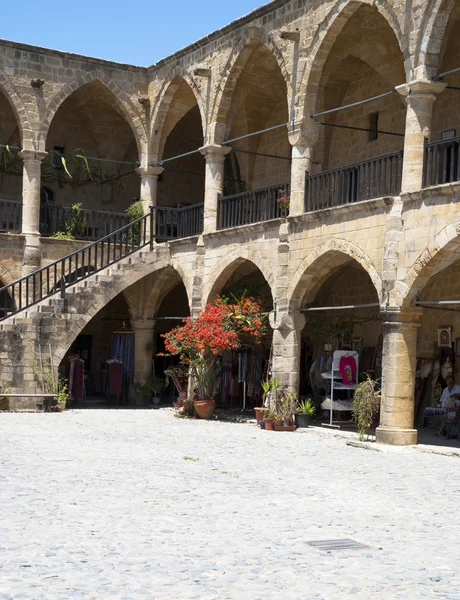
366, 406
269, 420
305, 411
259, 410
62, 396
200, 341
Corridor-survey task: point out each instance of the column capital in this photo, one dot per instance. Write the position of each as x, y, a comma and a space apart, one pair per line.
215, 152
141, 323
421, 88
284, 321
402, 317
149, 171
27, 154
304, 134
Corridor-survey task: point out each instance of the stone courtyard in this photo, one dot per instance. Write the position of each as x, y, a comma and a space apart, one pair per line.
105, 505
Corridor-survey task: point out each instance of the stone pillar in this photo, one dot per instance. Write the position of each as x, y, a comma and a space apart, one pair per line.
143, 333
149, 186
398, 377
214, 182
287, 331
420, 95
31, 177
302, 140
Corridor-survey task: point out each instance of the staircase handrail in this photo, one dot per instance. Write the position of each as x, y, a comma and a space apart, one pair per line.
132, 237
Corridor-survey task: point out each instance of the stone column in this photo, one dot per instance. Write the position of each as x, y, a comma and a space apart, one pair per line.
419, 95
287, 331
303, 140
214, 182
398, 377
31, 178
143, 333
149, 186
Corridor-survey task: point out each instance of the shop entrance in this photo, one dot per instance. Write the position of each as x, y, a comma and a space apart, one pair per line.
437, 390
342, 315
242, 371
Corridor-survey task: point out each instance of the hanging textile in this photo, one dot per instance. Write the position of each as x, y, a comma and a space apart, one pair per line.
114, 381
76, 378
122, 348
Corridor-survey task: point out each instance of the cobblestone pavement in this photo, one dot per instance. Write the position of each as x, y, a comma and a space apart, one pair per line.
136, 505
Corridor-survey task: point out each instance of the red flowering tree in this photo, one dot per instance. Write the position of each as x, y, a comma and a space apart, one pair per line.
221, 326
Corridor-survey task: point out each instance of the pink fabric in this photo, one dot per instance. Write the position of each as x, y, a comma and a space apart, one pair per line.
347, 368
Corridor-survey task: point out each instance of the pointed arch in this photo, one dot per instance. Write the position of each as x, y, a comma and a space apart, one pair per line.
432, 33
217, 279
177, 77
20, 112
323, 41
440, 253
318, 265
124, 104
241, 52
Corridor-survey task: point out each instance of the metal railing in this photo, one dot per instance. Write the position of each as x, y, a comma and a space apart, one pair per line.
441, 162
10, 215
251, 207
364, 180
74, 267
92, 224
173, 223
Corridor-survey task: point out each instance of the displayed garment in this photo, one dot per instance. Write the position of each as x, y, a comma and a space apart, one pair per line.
76, 378
122, 348
242, 367
114, 378
347, 368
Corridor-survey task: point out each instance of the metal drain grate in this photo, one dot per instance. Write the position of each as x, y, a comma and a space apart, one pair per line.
345, 544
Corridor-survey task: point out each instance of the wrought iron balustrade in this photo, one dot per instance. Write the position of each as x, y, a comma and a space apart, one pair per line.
441, 162
90, 225
10, 215
174, 223
364, 180
61, 274
251, 207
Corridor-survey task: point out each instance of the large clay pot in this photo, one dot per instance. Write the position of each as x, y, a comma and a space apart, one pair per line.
259, 413
269, 424
205, 408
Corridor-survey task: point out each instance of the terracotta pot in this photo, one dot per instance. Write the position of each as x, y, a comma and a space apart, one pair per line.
58, 408
269, 424
259, 414
205, 408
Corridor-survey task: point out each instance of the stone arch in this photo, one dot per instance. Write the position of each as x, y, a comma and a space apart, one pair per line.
233, 68
318, 265
5, 276
218, 277
163, 103
103, 297
125, 105
440, 253
432, 33
324, 39
16, 103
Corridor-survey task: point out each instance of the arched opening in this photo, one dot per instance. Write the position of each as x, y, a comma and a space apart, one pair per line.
179, 131
90, 366
242, 371
172, 310
437, 410
359, 150
255, 99
10, 168
342, 313
89, 123
443, 152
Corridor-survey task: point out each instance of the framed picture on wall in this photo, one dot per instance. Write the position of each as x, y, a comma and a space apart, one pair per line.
445, 337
